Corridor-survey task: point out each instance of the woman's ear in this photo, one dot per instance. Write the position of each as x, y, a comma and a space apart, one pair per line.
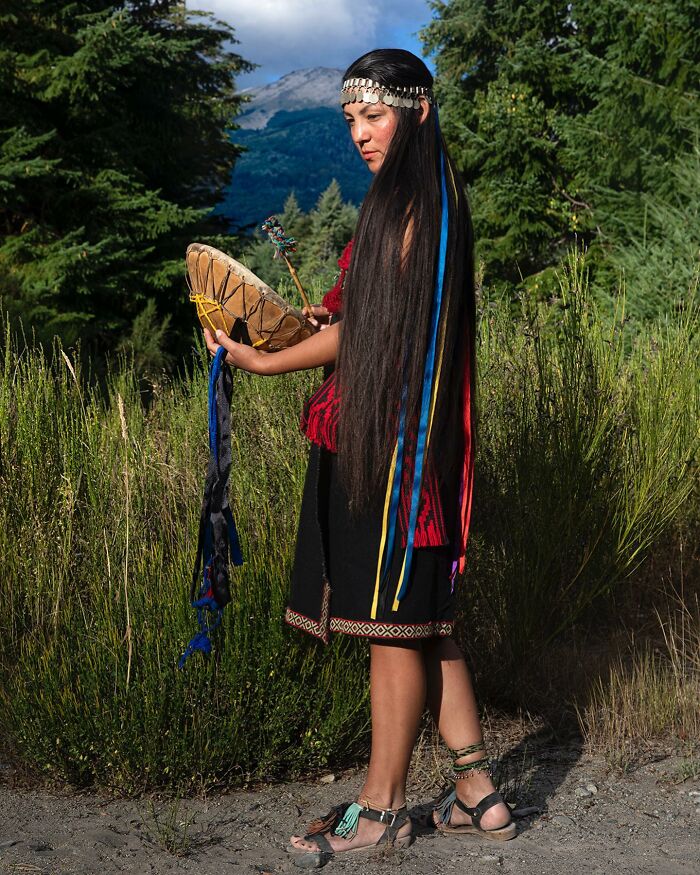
424, 109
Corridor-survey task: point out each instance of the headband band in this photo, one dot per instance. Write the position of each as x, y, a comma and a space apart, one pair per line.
368, 91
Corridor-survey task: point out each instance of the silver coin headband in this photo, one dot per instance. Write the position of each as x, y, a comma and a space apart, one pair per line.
367, 91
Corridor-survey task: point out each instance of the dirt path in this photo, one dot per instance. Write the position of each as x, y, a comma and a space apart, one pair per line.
589, 822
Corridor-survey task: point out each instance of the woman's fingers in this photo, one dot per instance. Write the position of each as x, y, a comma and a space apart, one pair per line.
228, 344
309, 313
237, 354
221, 340
315, 313
212, 345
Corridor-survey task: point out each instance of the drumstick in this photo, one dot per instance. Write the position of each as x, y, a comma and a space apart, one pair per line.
283, 246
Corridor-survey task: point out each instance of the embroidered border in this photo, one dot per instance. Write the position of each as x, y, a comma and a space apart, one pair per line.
379, 629
365, 628
318, 628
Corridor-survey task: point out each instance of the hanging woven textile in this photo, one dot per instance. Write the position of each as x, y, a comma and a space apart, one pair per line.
218, 541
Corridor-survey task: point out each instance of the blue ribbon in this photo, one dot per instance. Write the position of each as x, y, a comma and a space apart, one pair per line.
216, 366
428, 375
209, 612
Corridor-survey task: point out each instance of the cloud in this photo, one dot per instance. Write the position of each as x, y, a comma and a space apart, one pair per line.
284, 35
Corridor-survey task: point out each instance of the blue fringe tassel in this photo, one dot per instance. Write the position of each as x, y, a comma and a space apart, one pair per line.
347, 828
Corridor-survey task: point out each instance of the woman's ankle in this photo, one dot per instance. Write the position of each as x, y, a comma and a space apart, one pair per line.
478, 784
382, 799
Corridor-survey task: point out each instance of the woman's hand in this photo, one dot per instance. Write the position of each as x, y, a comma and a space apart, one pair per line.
319, 349
317, 315
239, 355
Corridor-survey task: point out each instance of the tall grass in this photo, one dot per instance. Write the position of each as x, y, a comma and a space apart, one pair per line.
97, 537
587, 458
652, 693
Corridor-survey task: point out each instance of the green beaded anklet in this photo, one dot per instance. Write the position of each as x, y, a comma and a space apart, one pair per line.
465, 751
462, 770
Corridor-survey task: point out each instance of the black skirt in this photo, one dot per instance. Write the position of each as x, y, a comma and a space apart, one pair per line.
335, 567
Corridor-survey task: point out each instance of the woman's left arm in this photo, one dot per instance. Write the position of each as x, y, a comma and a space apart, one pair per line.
318, 350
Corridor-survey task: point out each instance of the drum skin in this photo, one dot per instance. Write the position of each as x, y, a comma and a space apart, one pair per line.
230, 297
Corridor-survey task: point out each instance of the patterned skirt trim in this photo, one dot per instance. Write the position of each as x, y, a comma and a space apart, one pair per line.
368, 628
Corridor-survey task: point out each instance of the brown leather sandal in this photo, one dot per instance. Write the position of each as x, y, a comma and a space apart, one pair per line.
343, 821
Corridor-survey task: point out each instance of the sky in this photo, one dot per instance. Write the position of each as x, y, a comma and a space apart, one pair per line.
286, 35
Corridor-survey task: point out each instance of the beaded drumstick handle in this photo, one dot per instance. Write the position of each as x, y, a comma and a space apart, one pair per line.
285, 245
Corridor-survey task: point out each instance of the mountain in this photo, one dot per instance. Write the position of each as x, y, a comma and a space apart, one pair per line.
295, 140
300, 90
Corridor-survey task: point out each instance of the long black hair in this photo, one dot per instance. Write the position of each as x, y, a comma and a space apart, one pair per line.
388, 295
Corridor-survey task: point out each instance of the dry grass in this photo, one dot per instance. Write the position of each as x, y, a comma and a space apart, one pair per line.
652, 694
507, 745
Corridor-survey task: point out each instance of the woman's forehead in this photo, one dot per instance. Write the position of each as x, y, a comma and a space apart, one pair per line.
357, 109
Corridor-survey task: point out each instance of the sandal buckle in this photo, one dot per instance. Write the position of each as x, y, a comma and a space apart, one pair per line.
383, 816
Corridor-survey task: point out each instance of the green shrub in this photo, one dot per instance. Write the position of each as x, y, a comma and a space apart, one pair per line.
588, 456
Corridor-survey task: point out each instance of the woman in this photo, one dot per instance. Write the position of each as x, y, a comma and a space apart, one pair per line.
385, 510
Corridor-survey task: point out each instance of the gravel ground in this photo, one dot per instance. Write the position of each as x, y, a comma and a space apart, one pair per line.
587, 820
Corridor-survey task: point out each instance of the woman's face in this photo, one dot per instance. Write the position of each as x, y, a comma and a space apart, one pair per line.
371, 126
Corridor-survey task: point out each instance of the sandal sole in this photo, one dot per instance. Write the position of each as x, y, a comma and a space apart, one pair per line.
317, 859
502, 834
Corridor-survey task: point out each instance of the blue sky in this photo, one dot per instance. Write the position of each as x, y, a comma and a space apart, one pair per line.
286, 35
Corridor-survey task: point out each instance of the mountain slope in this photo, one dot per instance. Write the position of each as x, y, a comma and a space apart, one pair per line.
300, 148
299, 90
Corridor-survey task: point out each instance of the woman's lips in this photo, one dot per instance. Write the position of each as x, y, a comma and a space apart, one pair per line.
368, 155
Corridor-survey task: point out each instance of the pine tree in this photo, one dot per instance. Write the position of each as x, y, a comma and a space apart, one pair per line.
293, 220
501, 78
321, 236
332, 225
565, 119
637, 68
113, 151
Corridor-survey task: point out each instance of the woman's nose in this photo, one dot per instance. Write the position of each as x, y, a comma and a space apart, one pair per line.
359, 133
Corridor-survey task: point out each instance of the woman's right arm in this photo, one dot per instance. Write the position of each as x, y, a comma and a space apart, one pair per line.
314, 352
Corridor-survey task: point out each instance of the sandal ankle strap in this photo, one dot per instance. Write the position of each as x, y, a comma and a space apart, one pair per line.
448, 800
394, 818
389, 816
481, 808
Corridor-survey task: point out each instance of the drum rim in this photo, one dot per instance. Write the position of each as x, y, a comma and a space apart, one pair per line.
245, 274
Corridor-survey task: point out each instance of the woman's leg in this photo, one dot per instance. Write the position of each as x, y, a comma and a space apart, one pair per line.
452, 703
397, 696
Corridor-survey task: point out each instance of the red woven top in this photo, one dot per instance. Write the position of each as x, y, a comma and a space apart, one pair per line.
333, 300
319, 422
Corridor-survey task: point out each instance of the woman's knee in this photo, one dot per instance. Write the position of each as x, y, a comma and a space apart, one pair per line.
442, 648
